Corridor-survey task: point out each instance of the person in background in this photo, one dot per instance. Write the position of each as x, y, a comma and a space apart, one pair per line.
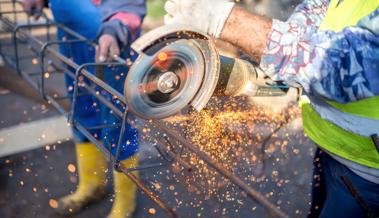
331, 50
114, 24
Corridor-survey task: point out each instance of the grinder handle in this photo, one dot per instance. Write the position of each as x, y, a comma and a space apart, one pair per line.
239, 77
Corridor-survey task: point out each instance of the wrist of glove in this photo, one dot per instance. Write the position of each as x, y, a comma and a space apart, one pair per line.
117, 30
208, 16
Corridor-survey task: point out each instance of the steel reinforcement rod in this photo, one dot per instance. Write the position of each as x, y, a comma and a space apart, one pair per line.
33, 40
252, 193
155, 198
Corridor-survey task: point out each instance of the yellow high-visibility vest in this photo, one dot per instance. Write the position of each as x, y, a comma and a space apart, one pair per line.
338, 141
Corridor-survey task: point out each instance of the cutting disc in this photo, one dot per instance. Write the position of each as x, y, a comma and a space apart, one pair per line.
165, 79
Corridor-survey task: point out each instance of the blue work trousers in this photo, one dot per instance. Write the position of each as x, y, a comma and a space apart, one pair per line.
339, 192
83, 17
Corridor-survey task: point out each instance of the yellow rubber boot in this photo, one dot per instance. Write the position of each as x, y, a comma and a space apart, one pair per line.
92, 166
125, 192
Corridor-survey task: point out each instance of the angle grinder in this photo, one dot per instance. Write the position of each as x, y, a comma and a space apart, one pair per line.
179, 66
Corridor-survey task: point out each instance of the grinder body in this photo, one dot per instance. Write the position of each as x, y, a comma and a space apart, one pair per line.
179, 66
239, 77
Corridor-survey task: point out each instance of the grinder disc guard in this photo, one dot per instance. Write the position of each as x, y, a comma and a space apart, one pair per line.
179, 66
165, 79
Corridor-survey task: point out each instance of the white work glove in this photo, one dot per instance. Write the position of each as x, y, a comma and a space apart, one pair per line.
113, 37
208, 16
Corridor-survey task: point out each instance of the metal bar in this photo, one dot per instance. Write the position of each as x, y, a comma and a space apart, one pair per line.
72, 64
26, 57
258, 197
117, 112
266, 140
14, 8
102, 84
75, 34
34, 73
9, 61
162, 153
80, 70
146, 167
61, 98
93, 92
89, 136
148, 192
103, 100
42, 57
375, 140
49, 98
56, 67
358, 198
12, 12
10, 44
34, 25
56, 105
131, 176
176, 157
27, 77
9, 1
103, 126
34, 40
116, 162
48, 27
121, 168
14, 37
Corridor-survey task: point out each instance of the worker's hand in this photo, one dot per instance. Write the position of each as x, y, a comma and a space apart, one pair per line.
107, 48
113, 37
33, 7
208, 16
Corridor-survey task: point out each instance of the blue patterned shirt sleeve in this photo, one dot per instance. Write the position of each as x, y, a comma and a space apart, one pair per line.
339, 66
310, 13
